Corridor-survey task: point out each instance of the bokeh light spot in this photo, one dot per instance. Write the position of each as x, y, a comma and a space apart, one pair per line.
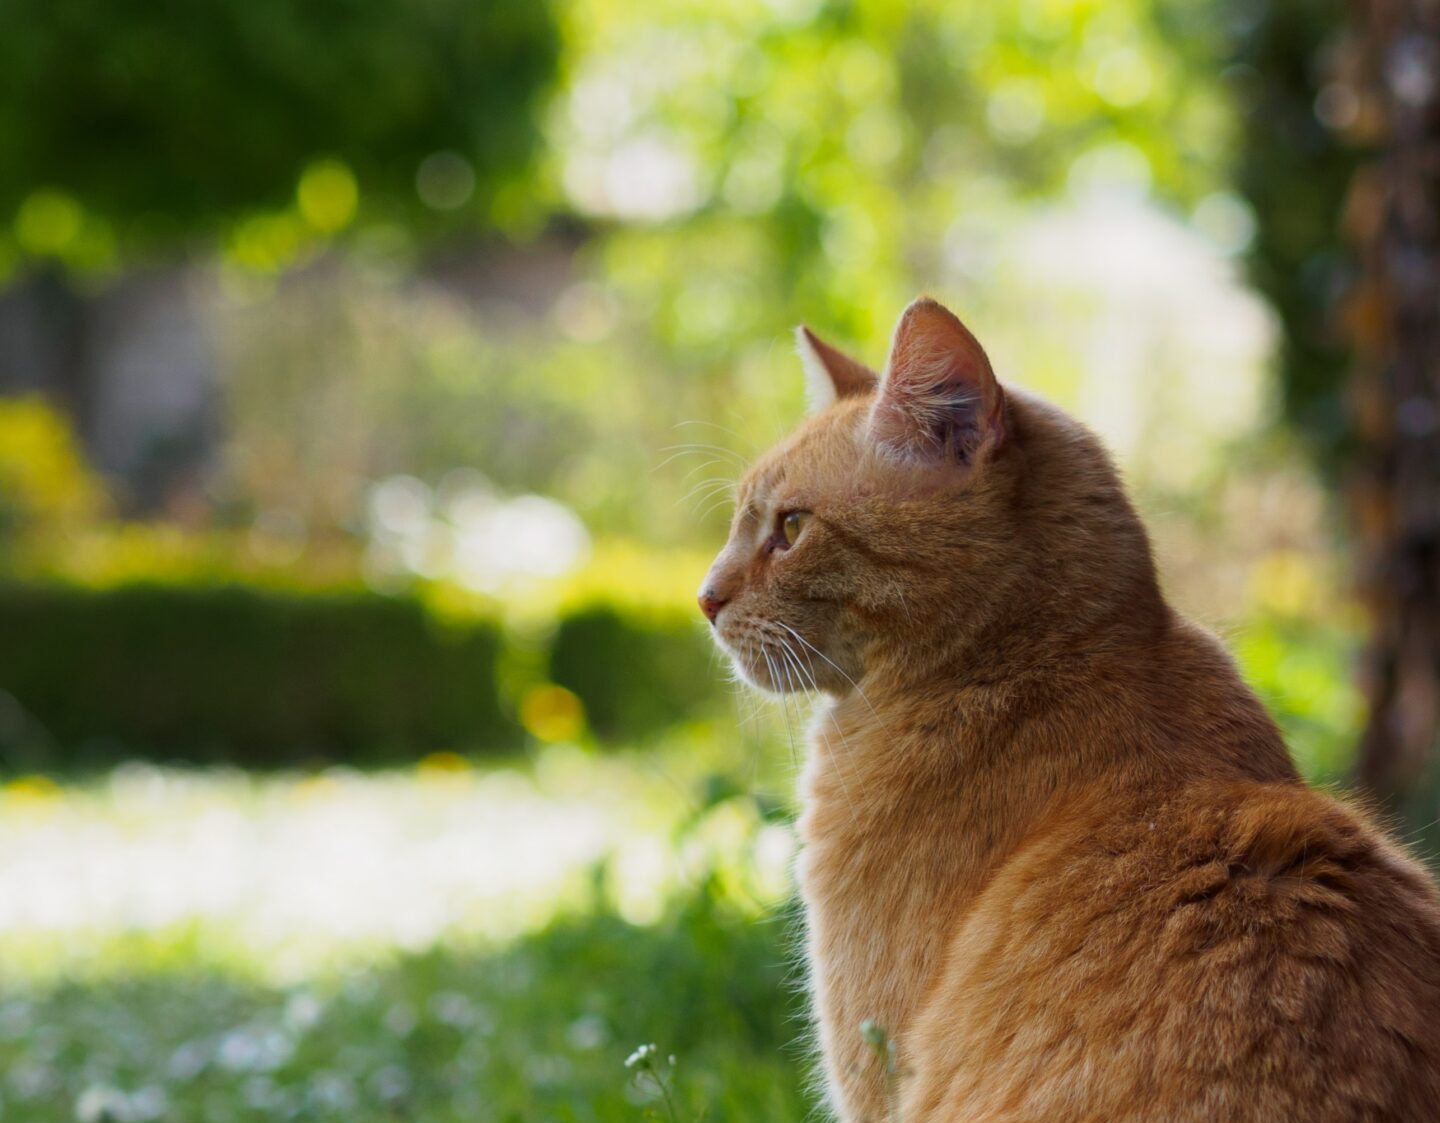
552, 713
328, 195
48, 223
445, 181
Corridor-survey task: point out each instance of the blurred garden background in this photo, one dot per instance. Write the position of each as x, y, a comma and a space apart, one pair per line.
371, 379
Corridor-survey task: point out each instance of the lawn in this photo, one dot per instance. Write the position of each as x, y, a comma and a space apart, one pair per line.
538, 1030
445, 942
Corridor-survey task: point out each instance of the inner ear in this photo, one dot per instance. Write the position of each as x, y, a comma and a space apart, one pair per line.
830, 374
939, 399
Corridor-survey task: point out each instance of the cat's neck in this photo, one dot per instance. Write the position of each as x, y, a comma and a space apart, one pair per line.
1145, 699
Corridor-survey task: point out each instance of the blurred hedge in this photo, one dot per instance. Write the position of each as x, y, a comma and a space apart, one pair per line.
262, 678
634, 675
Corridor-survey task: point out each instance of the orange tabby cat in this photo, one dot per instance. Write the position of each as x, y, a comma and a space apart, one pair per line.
1052, 843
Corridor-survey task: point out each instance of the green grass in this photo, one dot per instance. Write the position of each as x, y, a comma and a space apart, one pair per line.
536, 1031
201, 946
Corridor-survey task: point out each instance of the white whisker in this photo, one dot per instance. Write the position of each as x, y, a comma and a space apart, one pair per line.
713, 425
677, 454
874, 713
697, 448
718, 500
819, 727
785, 711
706, 490
711, 463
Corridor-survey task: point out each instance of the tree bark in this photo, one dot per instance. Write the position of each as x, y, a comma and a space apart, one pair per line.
1393, 220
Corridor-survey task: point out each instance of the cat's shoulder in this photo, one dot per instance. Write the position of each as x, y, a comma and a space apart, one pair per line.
1272, 888
1248, 938
1240, 849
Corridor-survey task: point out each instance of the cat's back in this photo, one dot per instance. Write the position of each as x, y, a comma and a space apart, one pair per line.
1220, 951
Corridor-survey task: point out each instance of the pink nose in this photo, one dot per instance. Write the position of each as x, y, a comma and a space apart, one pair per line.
710, 604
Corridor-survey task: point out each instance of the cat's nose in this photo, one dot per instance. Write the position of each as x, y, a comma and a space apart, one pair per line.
711, 603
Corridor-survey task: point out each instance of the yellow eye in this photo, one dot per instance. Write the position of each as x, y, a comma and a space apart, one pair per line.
792, 524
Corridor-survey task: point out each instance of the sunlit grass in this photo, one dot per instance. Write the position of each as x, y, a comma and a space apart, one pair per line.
280, 875
439, 943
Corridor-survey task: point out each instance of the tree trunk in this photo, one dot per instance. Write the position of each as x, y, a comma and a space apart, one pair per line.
1393, 220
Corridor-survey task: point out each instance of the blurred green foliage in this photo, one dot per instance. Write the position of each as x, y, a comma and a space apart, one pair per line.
1304, 673
539, 1030
1293, 167
147, 640
240, 675
135, 127
634, 677
45, 484
263, 677
830, 147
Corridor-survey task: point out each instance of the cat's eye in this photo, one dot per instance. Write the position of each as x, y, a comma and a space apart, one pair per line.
792, 524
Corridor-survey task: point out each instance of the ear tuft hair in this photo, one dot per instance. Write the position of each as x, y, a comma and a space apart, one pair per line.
830, 374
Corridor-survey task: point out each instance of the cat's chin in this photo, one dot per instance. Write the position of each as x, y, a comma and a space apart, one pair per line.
754, 669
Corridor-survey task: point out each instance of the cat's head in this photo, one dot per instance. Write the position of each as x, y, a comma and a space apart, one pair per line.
914, 512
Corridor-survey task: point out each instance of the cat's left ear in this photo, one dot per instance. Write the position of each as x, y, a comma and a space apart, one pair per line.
830, 374
939, 400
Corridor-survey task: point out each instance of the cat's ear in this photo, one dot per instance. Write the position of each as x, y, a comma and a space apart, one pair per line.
938, 399
830, 374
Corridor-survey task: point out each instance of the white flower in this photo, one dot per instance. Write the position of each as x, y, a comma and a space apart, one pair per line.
99, 1104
